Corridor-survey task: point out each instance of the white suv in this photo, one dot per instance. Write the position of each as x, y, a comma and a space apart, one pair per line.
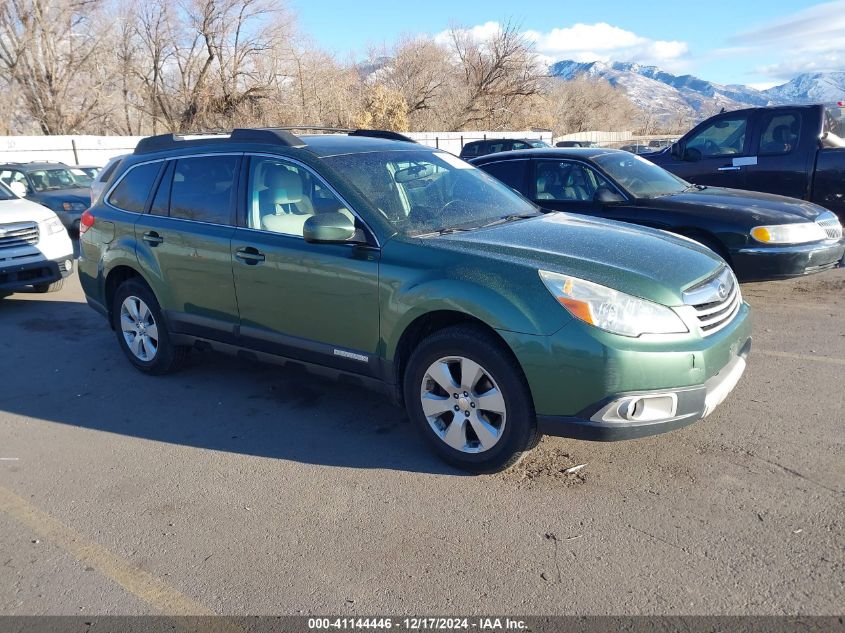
35, 249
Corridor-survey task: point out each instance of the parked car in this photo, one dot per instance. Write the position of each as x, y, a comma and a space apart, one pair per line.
54, 185
35, 249
575, 144
409, 269
493, 145
636, 148
762, 236
105, 175
795, 151
89, 170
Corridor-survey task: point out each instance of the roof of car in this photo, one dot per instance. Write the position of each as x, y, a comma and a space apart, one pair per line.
330, 143
548, 152
33, 166
325, 145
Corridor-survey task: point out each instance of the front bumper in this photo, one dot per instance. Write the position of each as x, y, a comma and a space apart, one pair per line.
586, 383
761, 263
603, 422
42, 271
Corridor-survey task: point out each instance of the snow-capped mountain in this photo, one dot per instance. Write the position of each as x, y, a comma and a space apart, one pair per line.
810, 87
671, 96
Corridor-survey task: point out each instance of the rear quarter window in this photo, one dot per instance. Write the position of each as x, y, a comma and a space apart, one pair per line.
132, 192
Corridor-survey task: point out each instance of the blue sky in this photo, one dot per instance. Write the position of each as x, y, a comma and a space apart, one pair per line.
727, 41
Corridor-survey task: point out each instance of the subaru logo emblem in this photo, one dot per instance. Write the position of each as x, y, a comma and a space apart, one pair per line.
723, 291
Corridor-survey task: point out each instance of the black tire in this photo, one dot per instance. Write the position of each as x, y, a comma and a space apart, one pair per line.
519, 433
167, 357
51, 287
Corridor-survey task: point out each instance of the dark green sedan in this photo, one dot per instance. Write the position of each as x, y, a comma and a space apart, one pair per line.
368, 255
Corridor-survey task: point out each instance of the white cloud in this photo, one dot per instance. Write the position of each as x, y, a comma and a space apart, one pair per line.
812, 39
594, 42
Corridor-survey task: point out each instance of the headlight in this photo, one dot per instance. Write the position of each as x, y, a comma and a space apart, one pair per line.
798, 233
74, 206
610, 309
52, 226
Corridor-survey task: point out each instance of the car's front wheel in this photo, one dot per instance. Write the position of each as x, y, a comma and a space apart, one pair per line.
50, 287
469, 398
141, 330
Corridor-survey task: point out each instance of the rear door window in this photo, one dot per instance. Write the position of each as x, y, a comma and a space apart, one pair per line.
781, 131
203, 188
133, 190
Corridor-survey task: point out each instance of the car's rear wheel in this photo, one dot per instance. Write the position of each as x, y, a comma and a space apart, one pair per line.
142, 332
51, 287
468, 397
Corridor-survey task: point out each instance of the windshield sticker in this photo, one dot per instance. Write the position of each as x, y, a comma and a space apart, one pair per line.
454, 161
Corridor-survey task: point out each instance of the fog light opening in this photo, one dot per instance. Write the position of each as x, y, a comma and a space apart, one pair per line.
649, 408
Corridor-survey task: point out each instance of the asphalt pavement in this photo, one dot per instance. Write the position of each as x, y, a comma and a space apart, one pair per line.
239, 488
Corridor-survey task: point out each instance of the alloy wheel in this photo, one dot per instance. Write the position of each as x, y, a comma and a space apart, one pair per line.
139, 328
463, 404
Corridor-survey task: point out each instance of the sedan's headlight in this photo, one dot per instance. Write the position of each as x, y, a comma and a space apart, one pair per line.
797, 233
610, 309
74, 206
52, 226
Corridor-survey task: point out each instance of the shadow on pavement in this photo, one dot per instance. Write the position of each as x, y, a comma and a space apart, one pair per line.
61, 363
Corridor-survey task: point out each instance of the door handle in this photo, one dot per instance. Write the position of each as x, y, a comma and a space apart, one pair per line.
249, 256
153, 238
729, 168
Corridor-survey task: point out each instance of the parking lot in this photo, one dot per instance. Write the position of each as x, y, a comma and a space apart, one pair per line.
239, 488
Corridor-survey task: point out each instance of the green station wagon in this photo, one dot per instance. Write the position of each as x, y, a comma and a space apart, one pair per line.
368, 255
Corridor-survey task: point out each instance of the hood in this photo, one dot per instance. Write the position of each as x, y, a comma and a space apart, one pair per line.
21, 210
55, 197
736, 204
647, 263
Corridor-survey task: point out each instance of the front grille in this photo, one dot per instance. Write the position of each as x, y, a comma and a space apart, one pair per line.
831, 226
716, 302
18, 234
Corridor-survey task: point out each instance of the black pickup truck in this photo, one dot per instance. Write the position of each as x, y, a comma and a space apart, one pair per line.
795, 151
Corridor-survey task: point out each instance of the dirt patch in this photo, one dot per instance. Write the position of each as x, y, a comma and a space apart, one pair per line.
547, 465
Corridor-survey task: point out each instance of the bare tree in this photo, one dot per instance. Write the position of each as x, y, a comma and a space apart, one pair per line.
47, 52
496, 75
583, 104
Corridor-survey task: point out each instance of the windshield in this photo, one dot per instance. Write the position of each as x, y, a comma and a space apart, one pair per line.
6, 193
422, 191
641, 178
538, 144
58, 178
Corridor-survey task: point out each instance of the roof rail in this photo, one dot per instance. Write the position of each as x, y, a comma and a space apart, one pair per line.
268, 136
393, 136
387, 134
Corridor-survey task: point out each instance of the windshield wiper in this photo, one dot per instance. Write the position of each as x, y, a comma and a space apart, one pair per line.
694, 187
447, 231
510, 218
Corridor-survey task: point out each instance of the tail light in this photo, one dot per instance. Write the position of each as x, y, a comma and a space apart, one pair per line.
86, 221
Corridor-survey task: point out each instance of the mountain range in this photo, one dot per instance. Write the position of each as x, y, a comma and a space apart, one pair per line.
671, 96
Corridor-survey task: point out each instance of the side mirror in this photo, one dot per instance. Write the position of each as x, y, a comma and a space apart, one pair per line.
18, 188
675, 150
328, 228
605, 195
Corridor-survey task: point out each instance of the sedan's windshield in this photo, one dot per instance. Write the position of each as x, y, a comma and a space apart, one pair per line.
6, 193
641, 178
421, 192
58, 178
